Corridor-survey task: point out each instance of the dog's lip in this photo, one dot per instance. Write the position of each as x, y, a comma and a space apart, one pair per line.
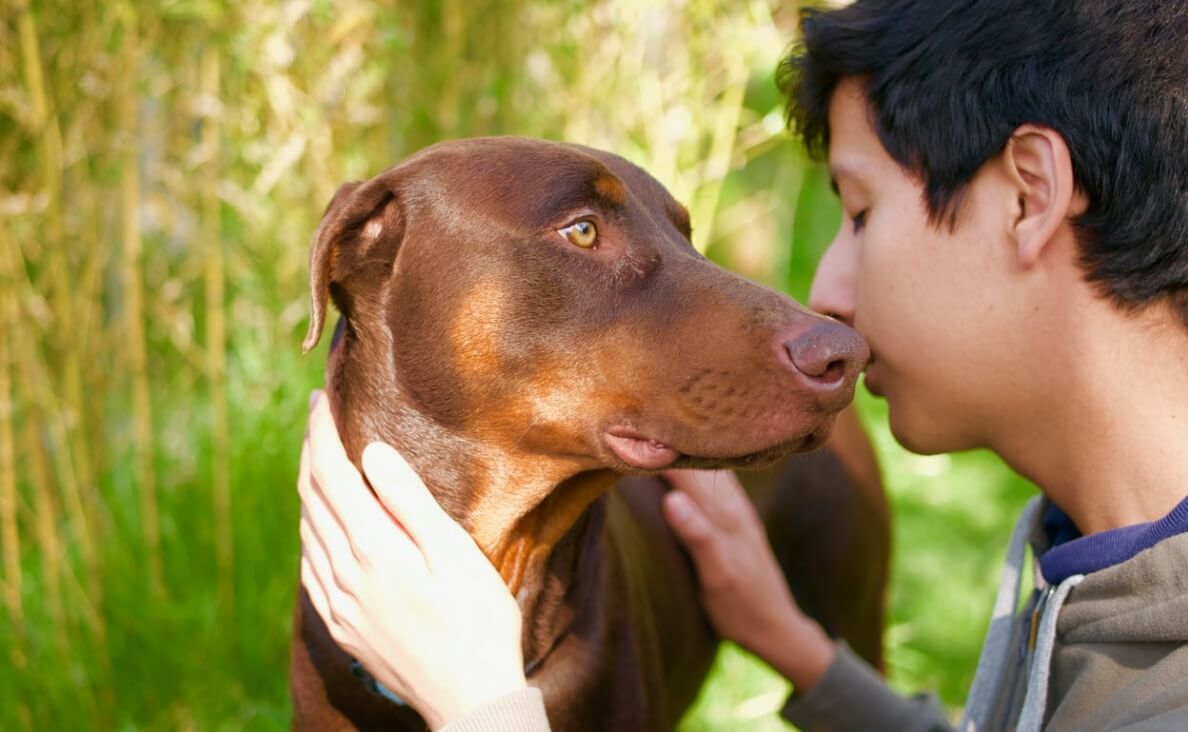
641, 452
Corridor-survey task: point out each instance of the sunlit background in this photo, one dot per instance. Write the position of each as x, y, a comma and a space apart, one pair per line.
162, 166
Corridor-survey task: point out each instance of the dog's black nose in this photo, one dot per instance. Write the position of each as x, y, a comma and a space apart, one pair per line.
828, 356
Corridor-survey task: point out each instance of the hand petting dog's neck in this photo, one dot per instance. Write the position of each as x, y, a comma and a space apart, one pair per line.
518, 507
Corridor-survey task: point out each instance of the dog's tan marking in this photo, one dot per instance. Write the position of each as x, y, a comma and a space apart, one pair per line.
611, 188
531, 499
533, 537
474, 334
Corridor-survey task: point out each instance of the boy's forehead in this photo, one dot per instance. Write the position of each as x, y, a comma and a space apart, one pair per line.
854, 148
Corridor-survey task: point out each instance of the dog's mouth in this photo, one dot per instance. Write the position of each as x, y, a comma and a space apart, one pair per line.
640, 452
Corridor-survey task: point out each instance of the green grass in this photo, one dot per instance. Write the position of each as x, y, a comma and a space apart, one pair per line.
188, 661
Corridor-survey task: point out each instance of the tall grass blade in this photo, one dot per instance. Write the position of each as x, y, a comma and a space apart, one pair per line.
10, 542
212, 247
134, 315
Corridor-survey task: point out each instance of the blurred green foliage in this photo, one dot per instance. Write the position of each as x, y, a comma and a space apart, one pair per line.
162, 166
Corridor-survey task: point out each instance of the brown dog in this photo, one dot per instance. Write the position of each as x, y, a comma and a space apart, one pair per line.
525, 321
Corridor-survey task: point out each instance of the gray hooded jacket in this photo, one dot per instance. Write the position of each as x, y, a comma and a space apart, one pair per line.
1102, 643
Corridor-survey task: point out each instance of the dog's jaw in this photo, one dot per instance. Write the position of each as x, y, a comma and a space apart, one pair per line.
517, 507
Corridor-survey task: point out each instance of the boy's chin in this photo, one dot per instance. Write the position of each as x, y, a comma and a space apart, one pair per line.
921, 435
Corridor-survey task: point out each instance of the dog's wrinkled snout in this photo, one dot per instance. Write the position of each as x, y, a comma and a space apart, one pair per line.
827, 357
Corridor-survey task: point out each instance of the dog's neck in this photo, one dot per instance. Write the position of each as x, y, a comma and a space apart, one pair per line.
518, 508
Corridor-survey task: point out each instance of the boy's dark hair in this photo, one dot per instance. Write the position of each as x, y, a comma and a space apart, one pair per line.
948, 81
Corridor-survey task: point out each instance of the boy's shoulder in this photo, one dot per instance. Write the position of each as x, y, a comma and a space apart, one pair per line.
1143, 599
1122, 657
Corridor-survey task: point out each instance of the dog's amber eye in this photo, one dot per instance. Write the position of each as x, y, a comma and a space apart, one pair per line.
581, 234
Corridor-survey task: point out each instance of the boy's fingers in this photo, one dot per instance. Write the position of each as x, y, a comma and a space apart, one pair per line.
332, 555
408, 499
315, 590
337, 484
336, 611
717, 493
687, 520
332, 511
304, 474
703, 539
329, 458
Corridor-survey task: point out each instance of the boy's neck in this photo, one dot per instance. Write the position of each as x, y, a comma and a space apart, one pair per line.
1107, 441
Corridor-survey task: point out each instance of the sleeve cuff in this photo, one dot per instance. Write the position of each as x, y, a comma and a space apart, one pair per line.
519, 711
852, 696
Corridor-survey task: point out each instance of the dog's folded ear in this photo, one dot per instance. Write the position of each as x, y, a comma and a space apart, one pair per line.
362, 226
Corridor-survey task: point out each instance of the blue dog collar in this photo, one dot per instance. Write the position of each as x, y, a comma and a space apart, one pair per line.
374, 686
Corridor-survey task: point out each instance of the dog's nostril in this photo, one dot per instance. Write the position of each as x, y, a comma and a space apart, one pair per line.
827, 353
835, 371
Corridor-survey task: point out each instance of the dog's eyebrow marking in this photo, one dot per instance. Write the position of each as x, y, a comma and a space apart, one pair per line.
680, 216
603, 189
610, 189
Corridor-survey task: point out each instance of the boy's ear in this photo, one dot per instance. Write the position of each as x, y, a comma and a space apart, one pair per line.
362, 225
1040, 167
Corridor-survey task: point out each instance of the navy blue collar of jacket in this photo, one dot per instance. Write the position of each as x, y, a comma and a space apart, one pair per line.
1071, 553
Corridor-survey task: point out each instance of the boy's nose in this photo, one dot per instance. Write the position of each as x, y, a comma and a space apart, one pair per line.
833, 292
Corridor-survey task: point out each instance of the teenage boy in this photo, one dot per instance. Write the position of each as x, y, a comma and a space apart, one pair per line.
1014, 177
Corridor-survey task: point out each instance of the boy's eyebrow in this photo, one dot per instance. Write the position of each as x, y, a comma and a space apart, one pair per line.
843, 169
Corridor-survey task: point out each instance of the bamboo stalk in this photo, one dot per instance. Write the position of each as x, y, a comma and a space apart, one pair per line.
717, 165
69, 337
88, 599
72, 452
91, 345
134, 343
212, 245
39, 393
39, 389
56, 563
453, 32
53, 557
9, 536
97, 696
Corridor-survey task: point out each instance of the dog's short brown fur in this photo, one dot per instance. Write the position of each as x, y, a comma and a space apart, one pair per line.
511, 366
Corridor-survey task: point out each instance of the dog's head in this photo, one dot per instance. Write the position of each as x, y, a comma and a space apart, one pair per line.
544, 301
520, 314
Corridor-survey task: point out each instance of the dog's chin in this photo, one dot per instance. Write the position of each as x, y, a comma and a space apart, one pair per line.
628, 451
753, 460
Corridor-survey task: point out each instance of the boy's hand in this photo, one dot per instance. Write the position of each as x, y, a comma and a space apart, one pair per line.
743, 590
399, 584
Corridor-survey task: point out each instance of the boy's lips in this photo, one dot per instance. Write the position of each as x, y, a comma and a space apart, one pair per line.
872, 377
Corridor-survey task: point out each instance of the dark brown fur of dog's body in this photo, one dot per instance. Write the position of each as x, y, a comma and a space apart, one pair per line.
496, 357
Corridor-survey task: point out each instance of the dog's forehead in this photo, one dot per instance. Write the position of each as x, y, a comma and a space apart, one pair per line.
528, 178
